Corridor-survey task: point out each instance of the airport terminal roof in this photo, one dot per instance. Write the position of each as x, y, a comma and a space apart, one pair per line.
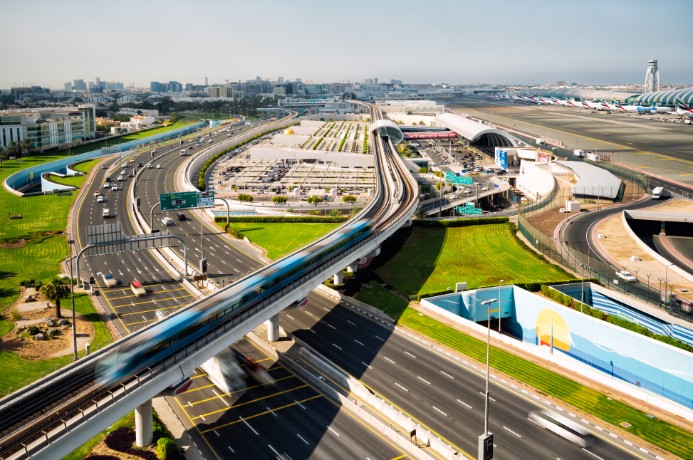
475, 131
592, 180
665, 97
583, 93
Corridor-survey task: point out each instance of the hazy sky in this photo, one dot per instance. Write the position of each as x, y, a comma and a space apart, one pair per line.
50, 42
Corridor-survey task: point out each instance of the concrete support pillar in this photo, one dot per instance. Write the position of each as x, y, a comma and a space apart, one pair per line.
143, 424
338, 278
375, 252
273, 328
353, 268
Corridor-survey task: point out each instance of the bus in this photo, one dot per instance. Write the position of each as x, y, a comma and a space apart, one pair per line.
657, 193
563, 427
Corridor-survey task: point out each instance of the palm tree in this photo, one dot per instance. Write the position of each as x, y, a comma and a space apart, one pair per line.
54, 290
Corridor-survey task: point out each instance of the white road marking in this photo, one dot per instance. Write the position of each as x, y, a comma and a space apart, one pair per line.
248, 425
351, 322
369, 367
508, 429
389, 360
232, 451
301, 405
593, 454
330, 428
360, 343
337, 346
435, 408
397, 384
447, 375
310, 314
273, 450
329, 325
423, 380
291, 317
218, 435
464, 404
301, 438
271, 411
407, 353
379, 338
311, 330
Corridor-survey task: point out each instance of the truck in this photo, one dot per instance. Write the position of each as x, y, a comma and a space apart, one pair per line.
657, 193
106, 213
540, 141
578, 153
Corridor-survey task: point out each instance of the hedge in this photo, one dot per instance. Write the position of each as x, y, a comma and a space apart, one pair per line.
166, 448
569, 302
459, 222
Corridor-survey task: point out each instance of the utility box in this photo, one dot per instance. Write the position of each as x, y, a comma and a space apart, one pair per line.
572, 206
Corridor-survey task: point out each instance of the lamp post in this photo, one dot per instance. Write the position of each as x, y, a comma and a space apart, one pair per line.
499, 305
72, 299
660, 291
486, 439
648, 287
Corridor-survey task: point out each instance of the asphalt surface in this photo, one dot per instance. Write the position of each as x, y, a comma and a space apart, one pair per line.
443, 394
268, 420
664, 149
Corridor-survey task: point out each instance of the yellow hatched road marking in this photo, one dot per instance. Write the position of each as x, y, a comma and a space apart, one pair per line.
226, 409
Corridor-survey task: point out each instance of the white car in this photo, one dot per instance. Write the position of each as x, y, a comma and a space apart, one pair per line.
100, 199
106, 185
158, 166
626, 276
109, 280
114, 188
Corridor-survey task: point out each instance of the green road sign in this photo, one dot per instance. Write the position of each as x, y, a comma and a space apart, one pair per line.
182, 200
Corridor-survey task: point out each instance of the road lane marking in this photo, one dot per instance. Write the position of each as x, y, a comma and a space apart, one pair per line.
248, 425
360, 343
232, 451
301, 438
435, 408
389, 360
379, 338
271, 411
337, 347
351, 322
369, 367
291, 317
447, 375
330, 428
217, 433
329, 325
407, 353
464, 404
397, 384
274, 450
508, 429
423, 379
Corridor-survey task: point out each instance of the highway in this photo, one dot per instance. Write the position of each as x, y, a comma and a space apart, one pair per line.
263, 421
444, 394
74, 390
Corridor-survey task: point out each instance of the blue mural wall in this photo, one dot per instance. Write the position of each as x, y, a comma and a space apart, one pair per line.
634, 358
660, 368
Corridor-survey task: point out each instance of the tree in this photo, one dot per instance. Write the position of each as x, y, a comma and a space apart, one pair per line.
279, 199
25, 146
314, 200
349, 199
54, 290
13, 150
423, 170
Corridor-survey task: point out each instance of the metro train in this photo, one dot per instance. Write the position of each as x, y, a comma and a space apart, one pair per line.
178, 330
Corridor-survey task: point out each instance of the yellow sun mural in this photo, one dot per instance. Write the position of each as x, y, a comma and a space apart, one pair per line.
551, 323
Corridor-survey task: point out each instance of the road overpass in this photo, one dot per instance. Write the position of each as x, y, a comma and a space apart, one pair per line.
48, 418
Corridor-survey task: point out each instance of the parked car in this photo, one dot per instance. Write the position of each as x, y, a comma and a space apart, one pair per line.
626, 276
109, 280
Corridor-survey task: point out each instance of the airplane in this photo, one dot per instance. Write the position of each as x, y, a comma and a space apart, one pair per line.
599, 105
640, 109
578, 104
563, 102
613, 105
683, 109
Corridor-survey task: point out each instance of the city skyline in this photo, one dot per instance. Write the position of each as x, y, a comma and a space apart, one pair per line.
456, 42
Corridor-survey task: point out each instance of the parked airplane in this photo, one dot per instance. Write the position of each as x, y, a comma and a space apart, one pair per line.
642, 110
563, 102
683, 109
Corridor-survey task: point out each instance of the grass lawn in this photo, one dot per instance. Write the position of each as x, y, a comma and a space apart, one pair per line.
657, 432
434, 259
75, 181
17, 372
280, 239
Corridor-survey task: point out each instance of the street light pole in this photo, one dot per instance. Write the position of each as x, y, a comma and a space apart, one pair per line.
499, 305
486, 439
72, 298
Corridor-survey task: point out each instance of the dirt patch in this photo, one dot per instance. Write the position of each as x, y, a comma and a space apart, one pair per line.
20, 342
13, 245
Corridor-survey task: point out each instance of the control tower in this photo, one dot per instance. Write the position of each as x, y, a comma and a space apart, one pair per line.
652, 76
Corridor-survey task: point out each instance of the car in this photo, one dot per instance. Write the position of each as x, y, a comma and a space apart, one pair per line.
150, 166
114, 188
167, 221
181, 216
139, 164
104, 166
137, 288
100, 199
160, 314
158, 166
120, 178
106, 185
562, 426
626, 276
109, 280
484, 188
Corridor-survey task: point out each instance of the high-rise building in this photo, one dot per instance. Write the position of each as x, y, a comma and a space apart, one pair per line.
157, 87
48, 128
174, 87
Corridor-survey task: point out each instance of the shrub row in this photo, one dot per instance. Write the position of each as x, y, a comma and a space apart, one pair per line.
287, 219
569, 302
459, 222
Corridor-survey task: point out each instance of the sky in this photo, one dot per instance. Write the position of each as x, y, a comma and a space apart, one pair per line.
49, 42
